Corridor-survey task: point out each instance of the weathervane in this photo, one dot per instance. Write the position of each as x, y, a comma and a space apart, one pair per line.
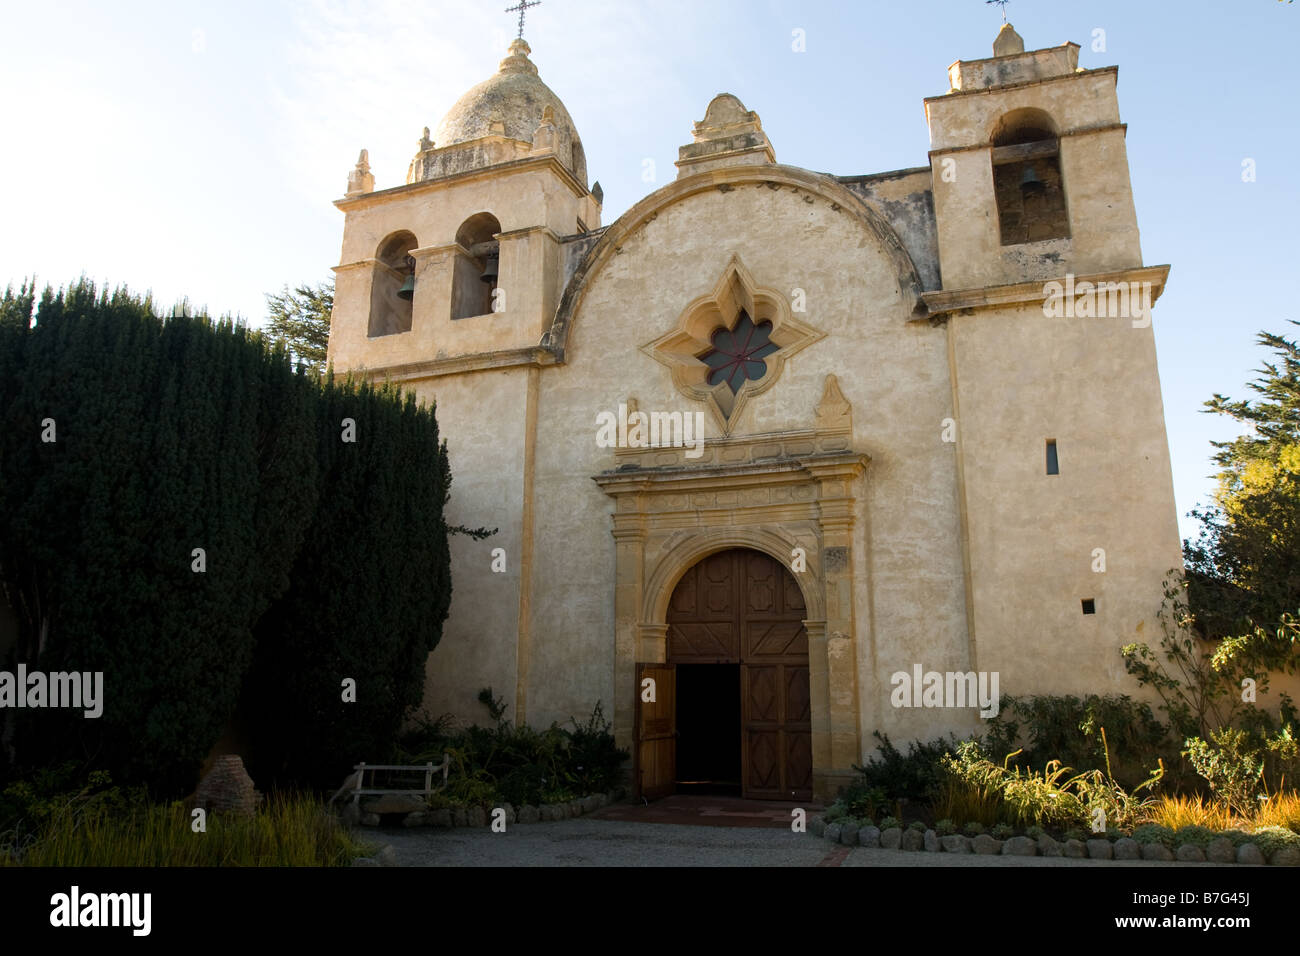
1002, 5
524, 5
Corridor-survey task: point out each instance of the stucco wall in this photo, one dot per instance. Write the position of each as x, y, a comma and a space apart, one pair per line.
894, 373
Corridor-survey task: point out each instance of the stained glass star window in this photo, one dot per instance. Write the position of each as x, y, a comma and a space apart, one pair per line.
737, 354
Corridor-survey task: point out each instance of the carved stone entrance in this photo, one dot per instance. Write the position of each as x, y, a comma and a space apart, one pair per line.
743, 607
792, 497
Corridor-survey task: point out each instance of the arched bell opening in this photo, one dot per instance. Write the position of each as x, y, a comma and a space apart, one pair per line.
474, 280
393, 285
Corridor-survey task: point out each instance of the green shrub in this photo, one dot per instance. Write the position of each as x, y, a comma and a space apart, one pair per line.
172, 434
918, 826
973, 829
1035, 832
1002, 832
890, 823
1081, 732
1154, 833
1232, 764
835, 812
917, 776
1238, 837
861, 799
1195, 835
1049, 797
367, 597
521, 765
945, 827
1075, 833
1271, 839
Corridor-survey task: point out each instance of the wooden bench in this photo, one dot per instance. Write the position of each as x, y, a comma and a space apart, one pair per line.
356, 783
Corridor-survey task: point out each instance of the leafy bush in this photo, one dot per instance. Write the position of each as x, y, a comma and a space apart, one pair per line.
890, 823
945, 827
861, 799
1231, 764
1154, 833
519, 764
973, 829
917, 776
1047, 798
1002, 832
1195, 835
1035, 832
1081, 732
1271, 839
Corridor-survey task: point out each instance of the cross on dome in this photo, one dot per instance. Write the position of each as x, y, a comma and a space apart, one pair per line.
523, 6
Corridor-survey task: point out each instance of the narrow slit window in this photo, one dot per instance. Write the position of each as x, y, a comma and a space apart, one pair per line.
1053, 466
1089, 605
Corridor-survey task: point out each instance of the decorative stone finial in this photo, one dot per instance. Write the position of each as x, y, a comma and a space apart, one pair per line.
517, 61
360, 179
834, 413
727, 135
1008, 42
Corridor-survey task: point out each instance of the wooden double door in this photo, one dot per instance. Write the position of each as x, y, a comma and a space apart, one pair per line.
737, 607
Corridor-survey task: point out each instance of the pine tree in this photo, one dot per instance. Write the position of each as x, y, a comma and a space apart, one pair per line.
301, 319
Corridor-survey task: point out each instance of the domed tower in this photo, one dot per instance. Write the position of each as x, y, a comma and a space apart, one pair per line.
468, 257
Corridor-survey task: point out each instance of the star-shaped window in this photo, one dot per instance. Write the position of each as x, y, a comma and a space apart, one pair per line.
737, 354
731, 343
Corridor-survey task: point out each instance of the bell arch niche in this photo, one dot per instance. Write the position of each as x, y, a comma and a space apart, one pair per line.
474, 275
390, 310
1027, 182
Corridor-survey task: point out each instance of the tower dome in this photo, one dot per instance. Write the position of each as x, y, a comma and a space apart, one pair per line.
515, 104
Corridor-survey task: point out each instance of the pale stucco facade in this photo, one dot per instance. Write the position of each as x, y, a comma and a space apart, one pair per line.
896, 438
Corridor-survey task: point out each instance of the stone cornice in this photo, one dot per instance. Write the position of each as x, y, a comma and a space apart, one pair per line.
529, 357
677, 479
1064, 135
989, 90
380, 196
945, 302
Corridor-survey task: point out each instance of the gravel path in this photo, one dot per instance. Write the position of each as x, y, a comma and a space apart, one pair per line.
588, 842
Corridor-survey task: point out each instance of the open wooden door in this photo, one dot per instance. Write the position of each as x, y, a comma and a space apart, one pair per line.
656, 731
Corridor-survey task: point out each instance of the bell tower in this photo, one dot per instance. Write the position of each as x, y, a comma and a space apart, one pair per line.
1068, 520
1030, 173
467, 258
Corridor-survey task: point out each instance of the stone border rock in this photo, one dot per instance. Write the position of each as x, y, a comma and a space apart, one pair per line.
448, 817
1218, 850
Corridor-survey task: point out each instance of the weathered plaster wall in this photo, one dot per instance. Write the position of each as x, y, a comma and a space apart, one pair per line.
1090, 384
894, 373
481, 417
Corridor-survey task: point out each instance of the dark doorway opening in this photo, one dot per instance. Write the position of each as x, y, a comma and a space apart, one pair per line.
708, 729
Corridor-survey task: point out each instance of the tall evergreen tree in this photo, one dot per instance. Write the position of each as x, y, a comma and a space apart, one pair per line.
1245, 566
301, 319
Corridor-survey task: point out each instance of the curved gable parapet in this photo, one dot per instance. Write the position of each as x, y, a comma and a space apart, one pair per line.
814, 184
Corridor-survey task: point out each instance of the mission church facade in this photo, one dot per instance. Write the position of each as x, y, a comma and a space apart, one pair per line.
909, 463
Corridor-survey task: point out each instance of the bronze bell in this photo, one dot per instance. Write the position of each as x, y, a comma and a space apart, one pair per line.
489, 269
407, 291
1030, 184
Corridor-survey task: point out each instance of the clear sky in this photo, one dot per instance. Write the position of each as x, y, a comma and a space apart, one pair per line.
194, 148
